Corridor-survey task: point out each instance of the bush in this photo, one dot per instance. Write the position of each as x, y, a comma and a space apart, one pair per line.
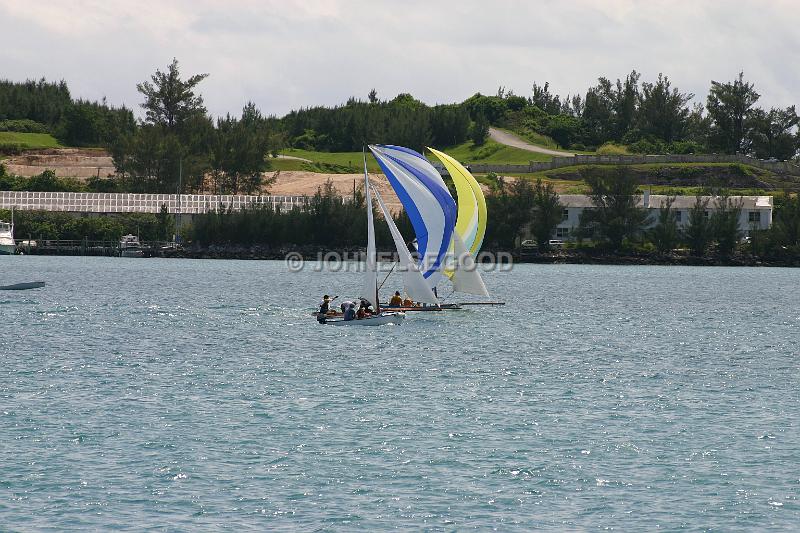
647, 146
23, 126
10, 148
685, 147
563, 129
612, 149
487, 151
95, 184
47, 181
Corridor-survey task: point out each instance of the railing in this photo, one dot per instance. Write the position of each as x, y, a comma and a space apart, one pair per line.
187, 204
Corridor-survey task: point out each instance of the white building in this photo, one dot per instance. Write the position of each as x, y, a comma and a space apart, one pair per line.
756, 211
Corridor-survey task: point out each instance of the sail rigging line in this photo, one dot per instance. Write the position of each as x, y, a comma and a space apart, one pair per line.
387, 275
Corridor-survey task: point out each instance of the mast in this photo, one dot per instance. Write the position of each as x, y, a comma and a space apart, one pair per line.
371, 284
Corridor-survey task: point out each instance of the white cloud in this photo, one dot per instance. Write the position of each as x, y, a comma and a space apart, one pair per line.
285, 55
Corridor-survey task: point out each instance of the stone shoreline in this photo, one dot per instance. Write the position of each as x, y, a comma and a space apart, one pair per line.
577, 257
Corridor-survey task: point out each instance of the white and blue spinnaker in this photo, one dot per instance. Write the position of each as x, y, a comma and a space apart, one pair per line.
427, 202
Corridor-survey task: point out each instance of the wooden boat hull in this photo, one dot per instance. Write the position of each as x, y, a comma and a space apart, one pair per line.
377, 320
445, 307
23, 286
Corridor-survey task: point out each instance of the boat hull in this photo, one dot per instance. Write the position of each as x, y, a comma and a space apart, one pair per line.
445, 307
23, 286
379, 320
131, 253
7, 249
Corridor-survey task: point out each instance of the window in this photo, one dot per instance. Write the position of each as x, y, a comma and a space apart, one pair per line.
565, 214
707, 213
562, 233
678, 216
754, 216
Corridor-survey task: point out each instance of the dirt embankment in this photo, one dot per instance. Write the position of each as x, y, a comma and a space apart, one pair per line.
79, 163
298, 183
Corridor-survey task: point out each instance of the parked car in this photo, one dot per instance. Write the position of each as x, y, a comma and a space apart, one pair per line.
528, 243
555, 243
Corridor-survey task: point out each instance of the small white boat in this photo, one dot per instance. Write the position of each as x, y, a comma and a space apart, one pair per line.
7, 246
375, 320
129, 246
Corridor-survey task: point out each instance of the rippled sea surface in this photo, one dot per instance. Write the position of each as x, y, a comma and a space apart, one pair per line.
201, 395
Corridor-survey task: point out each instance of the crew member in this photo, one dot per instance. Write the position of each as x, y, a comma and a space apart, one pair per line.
325, 306
397, 300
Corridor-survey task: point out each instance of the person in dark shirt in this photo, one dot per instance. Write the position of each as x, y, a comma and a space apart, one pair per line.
325, 305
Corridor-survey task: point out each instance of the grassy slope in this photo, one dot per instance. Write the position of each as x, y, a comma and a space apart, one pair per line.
492, 152
564, 182
29, 140
351, 162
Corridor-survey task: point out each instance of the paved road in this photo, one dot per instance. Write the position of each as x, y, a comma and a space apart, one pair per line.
503, 137
293, 158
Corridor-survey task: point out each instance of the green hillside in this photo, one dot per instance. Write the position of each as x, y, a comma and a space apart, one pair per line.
27, 141
351, 162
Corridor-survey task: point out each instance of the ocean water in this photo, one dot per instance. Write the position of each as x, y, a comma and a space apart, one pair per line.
186, 395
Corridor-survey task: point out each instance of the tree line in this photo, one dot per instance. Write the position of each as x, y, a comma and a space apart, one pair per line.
39, 106
650, 117
49, 225
328, 221
177, 146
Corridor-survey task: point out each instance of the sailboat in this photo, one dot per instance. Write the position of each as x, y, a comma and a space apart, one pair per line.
443, 228
413, 279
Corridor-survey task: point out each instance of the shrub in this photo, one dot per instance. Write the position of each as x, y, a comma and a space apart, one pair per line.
23, 126
647, 146
612, 149
10, 148
488, 150
685, 147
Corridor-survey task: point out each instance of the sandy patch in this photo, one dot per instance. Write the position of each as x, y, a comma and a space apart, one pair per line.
301, 183
65, 162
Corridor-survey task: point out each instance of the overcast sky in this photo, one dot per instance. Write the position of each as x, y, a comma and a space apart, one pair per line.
288, 54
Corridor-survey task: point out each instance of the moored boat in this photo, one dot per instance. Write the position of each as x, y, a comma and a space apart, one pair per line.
129, 246
7, 246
